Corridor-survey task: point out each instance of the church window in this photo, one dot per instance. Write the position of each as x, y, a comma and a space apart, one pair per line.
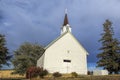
65, 60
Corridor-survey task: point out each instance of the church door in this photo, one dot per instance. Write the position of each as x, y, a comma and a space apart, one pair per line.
67, 66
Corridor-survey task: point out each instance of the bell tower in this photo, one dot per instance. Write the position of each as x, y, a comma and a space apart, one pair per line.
66, 27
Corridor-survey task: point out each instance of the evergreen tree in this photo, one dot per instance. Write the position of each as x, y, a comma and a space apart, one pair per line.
4, 55
109, 58
26, 56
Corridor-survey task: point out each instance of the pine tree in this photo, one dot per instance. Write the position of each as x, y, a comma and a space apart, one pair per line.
4, 55
109, 58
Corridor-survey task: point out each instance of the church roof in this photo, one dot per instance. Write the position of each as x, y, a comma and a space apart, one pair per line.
61, 37
55, 40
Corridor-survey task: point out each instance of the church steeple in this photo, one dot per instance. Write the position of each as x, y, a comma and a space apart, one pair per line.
65, 19
66, 27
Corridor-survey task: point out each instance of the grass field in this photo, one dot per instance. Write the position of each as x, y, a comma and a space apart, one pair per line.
88, 77
5, 75
110, 77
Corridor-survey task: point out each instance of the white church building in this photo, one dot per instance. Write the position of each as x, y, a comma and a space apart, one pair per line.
64, 54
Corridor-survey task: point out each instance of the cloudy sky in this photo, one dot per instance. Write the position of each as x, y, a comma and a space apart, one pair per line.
40, 21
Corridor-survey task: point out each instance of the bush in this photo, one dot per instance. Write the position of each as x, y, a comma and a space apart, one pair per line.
57, 74
90, 72
74, 74
35, 72
43, 73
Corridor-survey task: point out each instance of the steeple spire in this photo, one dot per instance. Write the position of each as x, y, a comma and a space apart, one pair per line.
65, 19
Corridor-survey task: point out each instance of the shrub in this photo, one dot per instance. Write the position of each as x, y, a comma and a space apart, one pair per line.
57, 74
90, 72
43, 73
31, 72
74, 74
35, 71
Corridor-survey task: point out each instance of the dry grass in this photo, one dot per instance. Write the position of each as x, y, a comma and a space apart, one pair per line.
81, 77
7, 74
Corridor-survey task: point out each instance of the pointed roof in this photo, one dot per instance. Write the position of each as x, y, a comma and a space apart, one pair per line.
65, 19
61, 37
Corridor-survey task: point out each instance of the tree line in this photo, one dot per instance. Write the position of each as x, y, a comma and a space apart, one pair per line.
28, 54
